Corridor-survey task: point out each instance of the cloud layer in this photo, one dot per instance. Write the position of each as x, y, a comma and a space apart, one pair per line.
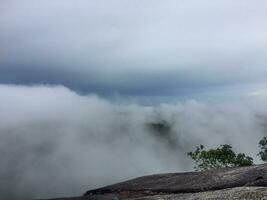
54, 142
75, 127
133, 47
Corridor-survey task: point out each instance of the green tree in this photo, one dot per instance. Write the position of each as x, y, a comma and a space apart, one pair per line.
263, 149
220, 157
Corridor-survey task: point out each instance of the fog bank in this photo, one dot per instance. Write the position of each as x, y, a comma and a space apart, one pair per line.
55, 142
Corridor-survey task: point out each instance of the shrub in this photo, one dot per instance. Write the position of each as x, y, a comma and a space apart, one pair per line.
220, 157
263, 149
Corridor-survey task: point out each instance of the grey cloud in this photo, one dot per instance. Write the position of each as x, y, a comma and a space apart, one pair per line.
54, 142
127, 46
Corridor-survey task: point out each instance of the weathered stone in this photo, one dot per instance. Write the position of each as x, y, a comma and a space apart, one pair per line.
228, 183
244, 193
189, 182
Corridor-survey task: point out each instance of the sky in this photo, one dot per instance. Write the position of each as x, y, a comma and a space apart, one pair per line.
83, 84
135, 48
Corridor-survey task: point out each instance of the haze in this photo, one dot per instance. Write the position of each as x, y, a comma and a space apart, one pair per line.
82, 81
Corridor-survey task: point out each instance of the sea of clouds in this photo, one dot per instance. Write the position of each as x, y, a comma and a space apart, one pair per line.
55, 142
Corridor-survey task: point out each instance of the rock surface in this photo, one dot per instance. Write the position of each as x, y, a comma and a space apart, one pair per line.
189, 182
248, 193
228, 183
245, 193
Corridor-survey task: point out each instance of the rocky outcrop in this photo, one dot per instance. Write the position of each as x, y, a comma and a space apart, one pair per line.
248, 193
189, 182
227, 183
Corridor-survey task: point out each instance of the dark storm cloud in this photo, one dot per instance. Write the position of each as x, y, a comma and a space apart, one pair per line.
133, 47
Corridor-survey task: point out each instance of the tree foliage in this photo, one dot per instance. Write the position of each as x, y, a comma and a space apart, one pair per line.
263, 149
220, 157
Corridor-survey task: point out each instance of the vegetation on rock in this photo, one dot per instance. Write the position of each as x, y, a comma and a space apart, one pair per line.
220, 157
263, 149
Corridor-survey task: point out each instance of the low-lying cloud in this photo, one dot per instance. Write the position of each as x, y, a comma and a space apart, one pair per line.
55, 142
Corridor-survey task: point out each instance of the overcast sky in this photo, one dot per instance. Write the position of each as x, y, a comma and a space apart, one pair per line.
134, 47
83, 81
